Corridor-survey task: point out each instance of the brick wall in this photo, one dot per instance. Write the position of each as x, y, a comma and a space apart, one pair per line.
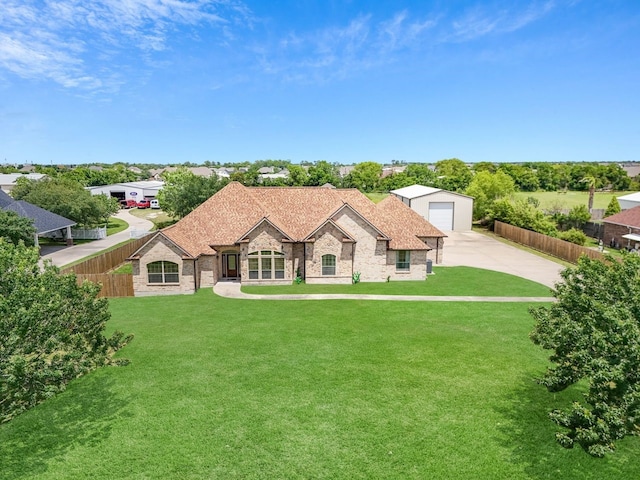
616, 232
329, 241
161, 249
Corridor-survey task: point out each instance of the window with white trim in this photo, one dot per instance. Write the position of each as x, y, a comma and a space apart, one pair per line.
328, 264
266, 265
403, 260
163, 272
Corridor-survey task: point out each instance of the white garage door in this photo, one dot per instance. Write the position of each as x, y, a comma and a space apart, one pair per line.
441, 215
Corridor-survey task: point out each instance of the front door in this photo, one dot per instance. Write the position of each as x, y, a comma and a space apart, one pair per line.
232, 265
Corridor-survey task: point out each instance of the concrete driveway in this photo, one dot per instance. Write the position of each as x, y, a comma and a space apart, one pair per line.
474, 249
62, 255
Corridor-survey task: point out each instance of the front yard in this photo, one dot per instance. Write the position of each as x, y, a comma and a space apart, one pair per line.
454, 281
237, 389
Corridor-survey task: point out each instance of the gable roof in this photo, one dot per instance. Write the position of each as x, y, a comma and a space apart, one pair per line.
235, 210
630, 217
415, 191
44, 220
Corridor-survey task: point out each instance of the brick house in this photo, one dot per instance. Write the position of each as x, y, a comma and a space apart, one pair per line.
622, 229
270, 235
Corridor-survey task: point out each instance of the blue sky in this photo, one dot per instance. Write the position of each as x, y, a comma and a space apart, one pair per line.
168, 81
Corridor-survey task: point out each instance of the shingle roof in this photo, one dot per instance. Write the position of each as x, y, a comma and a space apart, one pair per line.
415, 191
44, 220
5, 199
296, 211
629, 217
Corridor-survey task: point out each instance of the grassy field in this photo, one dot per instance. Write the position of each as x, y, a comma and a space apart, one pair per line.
458, 281
233, 389
569, 200
376, 197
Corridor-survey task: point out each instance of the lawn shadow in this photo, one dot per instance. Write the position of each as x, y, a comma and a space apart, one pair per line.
82, 415
529, 434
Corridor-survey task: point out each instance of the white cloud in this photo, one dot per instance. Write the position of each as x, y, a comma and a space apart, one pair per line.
72, 41
338, 51
481, 21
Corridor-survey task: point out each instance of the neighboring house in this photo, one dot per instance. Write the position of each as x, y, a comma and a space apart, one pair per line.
147, 189
282, 174
344, 171
629, 201
266, 170
622, 229
632, 169
8, 180
271, 235
392, 170
202, 171
443, 209
222, 172
43, 220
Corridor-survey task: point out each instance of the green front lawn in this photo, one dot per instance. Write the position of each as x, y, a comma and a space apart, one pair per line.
455, 281
235, 389
116, 225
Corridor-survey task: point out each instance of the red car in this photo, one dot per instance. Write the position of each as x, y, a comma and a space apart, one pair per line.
144, 204
128, 203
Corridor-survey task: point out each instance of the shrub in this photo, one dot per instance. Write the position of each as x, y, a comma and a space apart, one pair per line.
574, 235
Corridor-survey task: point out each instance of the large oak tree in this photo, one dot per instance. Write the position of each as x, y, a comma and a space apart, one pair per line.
593, 331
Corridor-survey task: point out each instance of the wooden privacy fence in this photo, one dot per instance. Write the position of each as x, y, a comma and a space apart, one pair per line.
95, 269
553, 246
108, 260
113, 284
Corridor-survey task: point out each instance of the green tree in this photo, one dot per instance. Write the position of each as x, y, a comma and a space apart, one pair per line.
183, 191
591, 182
107, 206
298, 176
485, 167
322, 172
365, 176
51, 330
63, 196
577, 217
486, 188
612, 208
421, 174
395, 181
16, 229
453, 174
521, 213
593, 331
524, 177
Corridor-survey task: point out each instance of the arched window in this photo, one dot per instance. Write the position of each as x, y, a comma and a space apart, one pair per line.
163, 272
328, 264
266, 265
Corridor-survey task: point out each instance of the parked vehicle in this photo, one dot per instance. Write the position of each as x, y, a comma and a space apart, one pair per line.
128, 203
144, 204
155, 203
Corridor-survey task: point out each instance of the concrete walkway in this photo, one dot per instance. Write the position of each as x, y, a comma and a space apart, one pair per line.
63, 255
232, 290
